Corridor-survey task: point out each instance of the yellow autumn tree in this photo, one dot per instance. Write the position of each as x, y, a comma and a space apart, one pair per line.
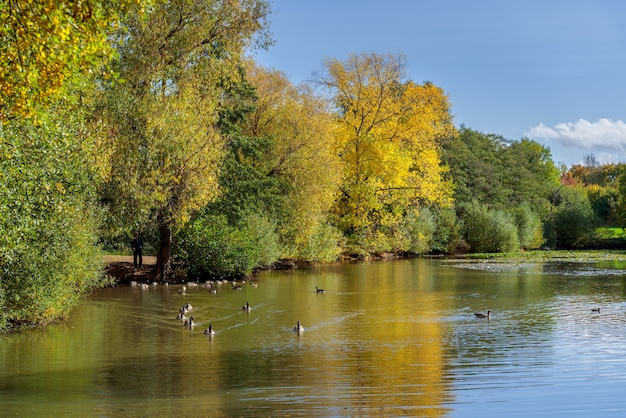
389, 131
302, 153
44, 43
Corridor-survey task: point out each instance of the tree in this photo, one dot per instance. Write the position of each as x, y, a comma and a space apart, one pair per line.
474, 160
178, 62
604, 201
531, 176
300, 155
48, 213
45, 43
388, 130
621, 203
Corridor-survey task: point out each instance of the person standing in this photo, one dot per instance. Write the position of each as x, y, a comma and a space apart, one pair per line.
137, 245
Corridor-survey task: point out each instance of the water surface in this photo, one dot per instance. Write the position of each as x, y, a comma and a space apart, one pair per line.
393, 338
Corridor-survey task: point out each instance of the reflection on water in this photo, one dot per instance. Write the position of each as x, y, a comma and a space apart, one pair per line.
387, 338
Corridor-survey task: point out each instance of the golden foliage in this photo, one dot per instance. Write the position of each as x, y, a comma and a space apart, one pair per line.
304, 150
389, 132
43, 43
177, 63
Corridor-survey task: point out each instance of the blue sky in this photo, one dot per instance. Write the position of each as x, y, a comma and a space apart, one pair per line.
553, 71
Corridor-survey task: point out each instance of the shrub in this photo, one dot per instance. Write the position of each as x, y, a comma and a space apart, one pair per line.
489, 230
419, 227
210, 247
574, 221
529, 227
48, 256
324, 245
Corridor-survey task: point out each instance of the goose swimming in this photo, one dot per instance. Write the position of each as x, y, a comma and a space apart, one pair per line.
484, 316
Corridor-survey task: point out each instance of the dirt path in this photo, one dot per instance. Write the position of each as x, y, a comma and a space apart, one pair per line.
148, 260
121, 268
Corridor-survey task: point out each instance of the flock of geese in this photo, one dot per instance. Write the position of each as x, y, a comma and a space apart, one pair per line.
189, 321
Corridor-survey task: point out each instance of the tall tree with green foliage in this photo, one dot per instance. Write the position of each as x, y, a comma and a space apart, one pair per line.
475, 166
177, 63
49, 166
530, 174
513, 177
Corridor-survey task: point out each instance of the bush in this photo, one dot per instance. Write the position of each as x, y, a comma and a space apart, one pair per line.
419, 227
324, 245
48, 256
210, 247
489, 230
529, 227
447, 236
574, 221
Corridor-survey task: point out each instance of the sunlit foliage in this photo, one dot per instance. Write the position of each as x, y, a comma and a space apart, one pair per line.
573, 220
389, 131
48, 217
489, 230
302, 155
177, 63
44, 43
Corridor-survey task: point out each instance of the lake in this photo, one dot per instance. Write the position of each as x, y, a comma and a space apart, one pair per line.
388, 338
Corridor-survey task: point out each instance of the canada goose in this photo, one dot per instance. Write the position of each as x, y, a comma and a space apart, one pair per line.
595, 310
181, 315
213, 290
209, 330
187, 307
298, 327
483, 316
237, 287
182, 290
246, 307
190, 322
318, 290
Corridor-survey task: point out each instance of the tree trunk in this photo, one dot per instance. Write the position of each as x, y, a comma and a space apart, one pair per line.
163, 264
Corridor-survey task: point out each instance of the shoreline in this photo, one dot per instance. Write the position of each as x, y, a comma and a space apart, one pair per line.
120, 268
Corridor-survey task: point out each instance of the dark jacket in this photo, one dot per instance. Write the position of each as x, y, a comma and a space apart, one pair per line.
136, 244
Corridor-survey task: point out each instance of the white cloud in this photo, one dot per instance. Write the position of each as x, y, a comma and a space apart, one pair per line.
603, 136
